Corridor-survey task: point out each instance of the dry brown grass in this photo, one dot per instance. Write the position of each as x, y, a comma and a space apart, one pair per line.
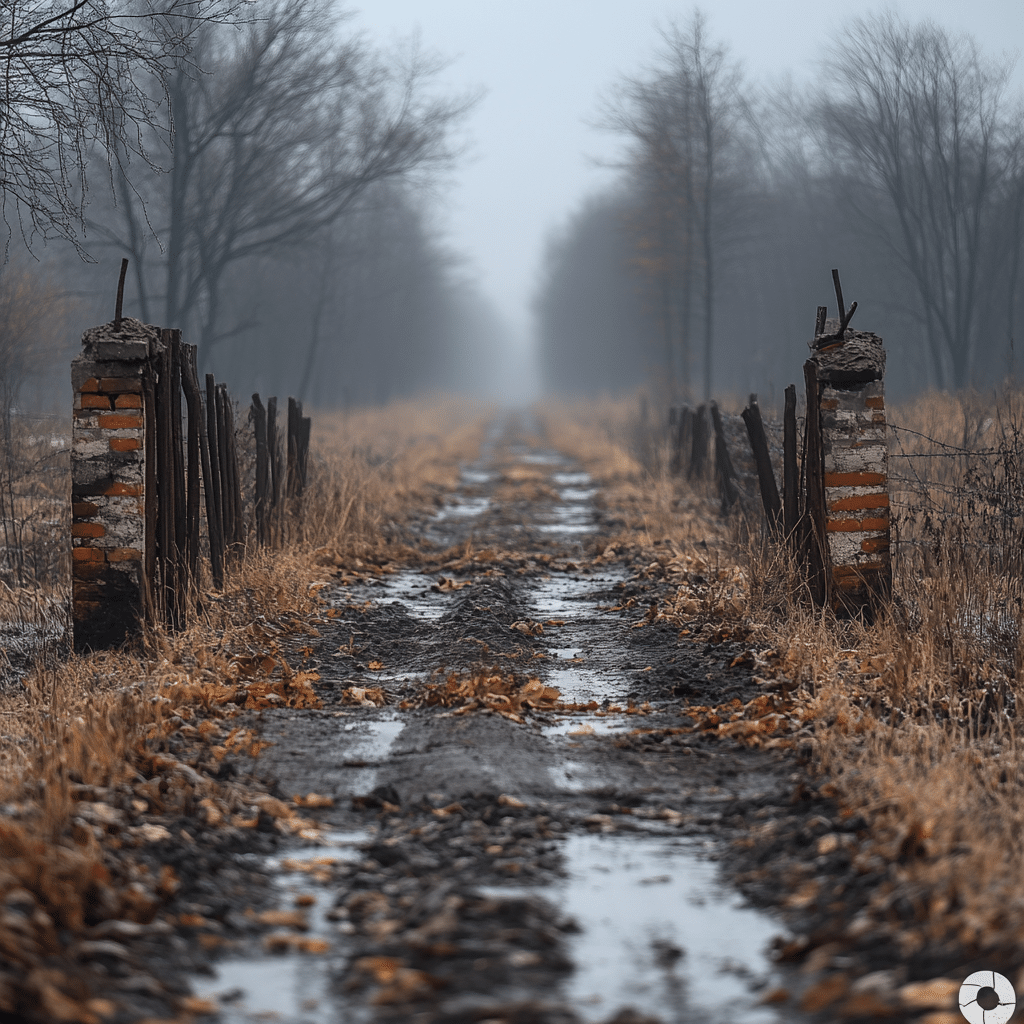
84, 740
914, 717
628, 459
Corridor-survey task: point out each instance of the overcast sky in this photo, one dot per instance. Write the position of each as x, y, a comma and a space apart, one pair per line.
545, 64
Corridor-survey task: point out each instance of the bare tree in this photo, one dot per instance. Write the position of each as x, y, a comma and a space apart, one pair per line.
77, 73
686, 121
918, 126
288, 129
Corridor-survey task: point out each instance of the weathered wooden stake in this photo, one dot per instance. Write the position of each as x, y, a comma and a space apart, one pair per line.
723, 463
261, 503
763, 462
790, 469
699, 448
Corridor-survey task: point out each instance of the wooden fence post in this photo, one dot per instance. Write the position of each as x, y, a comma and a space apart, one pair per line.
723, 463
294, 414
683, 430
699, 448
261, 502
790, 469
193, 398
763, 462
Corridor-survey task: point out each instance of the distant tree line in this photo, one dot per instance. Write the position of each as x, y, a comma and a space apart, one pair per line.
266, 171
703, 268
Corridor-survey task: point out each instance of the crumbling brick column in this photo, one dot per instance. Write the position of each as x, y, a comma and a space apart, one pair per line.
853, 516
108, 483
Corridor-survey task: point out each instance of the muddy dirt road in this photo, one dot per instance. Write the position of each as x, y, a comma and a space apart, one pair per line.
497, 851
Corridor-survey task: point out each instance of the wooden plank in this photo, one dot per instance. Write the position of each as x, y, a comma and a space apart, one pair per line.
763, 462
173, 338
294, 414
213, 439
165, 483
261, 501
790, 469
193, 397
817, 549
151, 499
238, 524
724, 470
699, 447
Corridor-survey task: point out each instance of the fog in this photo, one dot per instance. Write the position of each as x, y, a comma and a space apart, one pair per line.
358, 206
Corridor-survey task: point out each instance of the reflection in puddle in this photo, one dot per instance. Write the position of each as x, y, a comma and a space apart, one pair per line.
579, 725
571, 479
292, 987
658, 935
370, 744
463, 508
412, 588
579, 685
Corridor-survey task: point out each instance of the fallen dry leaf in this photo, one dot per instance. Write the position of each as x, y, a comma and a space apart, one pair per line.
284, 919
314, 800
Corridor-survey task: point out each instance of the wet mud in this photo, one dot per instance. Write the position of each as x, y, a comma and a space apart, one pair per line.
515, 819
554, 865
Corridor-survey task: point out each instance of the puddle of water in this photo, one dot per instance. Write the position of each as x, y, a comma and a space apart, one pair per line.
580, 685
576, 494
292, 987
412, 589
571, 480
463, 508
371, 744
580, 725
475, 477
639, 898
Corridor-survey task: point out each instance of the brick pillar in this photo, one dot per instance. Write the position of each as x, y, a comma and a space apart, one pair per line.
855, 455
108, 474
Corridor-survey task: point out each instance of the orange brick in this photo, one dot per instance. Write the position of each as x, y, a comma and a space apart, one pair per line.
128, 402
83, 509
124, 555
124, 421
874, 545
878, 417
88, 530
118, 488
92, 384
858, 502
853, 479
125, 444
829, 403
875, 403
119, 385
95, 402
87, 555
87, 571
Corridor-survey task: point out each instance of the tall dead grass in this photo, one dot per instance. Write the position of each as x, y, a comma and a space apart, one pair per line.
918, 713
